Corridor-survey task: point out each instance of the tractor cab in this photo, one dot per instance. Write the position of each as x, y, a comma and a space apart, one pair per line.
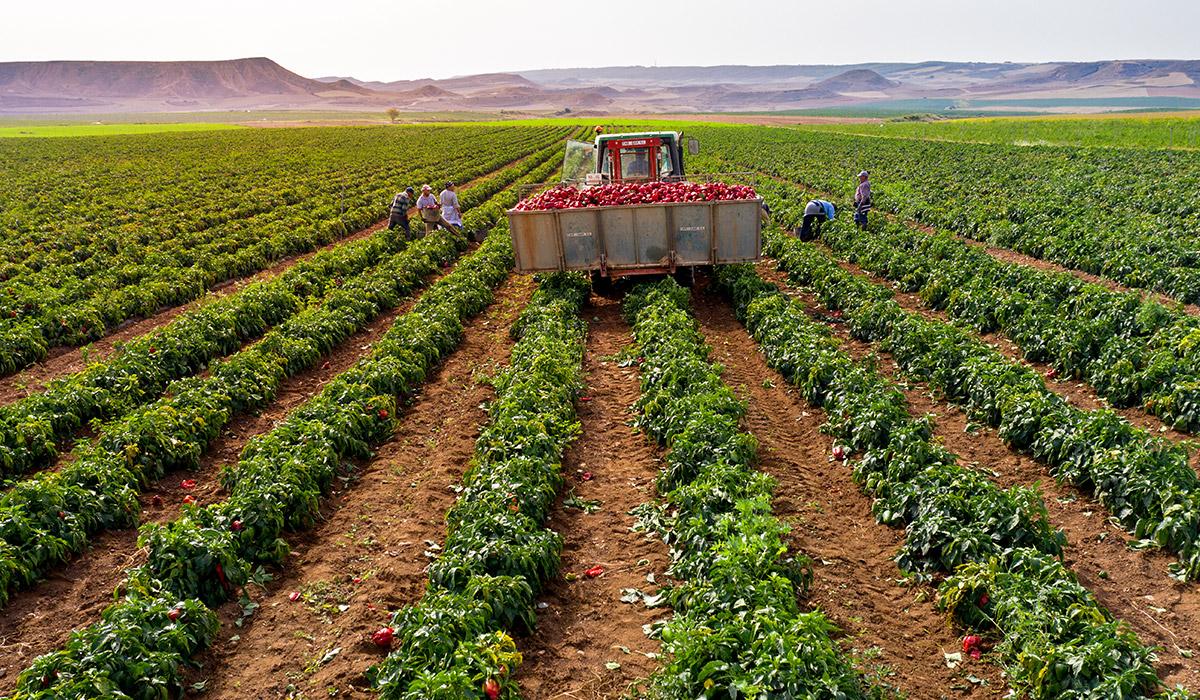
641, 157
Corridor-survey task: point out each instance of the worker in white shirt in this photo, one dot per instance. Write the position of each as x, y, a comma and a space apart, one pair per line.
451, 212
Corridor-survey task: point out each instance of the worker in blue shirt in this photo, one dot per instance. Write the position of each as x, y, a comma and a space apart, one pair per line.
816, 212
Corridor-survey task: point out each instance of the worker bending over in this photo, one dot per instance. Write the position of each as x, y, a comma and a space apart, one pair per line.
862, 199
816, 212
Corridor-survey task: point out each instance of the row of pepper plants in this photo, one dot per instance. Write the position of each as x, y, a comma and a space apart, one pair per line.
738, 630
455, 642
164, 610
1106, 211
127, 271
232, 210
52, 516
32, 428
1144, 480
995, 545
1132, 349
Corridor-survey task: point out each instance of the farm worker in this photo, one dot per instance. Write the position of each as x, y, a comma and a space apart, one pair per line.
398, 214
639, 166
450, 211
862, 199
816, 212
429, 208
765, 213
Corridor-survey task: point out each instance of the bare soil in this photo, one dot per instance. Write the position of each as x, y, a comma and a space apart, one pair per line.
1078, 393
39, 619
1133, 585
368, 557
64, 360
891, 625
582, 624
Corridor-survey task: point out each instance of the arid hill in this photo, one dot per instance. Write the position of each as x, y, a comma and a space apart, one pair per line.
260, 83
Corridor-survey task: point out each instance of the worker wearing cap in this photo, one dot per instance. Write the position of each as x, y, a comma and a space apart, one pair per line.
450, 209
398, 213
862, 199
816, 212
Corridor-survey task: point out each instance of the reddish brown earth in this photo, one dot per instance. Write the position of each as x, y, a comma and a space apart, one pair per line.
377, 529
892, 625
1133, 585
80, 590
63, 360
1078, 393
584, 625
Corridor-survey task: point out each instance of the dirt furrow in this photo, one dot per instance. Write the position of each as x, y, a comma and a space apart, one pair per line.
1077, 392
368, 557
1133, 585
583, 627
1007, 255
39, 619
891, 626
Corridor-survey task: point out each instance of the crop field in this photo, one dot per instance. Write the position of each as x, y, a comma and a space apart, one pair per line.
1173, 131
255, 444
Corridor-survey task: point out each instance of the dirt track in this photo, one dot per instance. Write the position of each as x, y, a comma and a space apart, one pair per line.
375, 530
1133, 585
857, 583
81, 589
584, 625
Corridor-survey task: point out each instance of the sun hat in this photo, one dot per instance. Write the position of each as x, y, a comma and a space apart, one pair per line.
426, 188
408, 189
864, 174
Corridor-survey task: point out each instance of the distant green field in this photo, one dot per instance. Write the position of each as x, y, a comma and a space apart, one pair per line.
997, 108
1179, 131
60, 130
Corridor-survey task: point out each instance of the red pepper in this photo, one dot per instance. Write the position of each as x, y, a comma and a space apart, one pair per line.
491, 689
970, 644
187, 484
382, 637
594, 571
618, 194
189, 500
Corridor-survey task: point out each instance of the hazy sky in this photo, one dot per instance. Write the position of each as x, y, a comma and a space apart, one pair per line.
378, 40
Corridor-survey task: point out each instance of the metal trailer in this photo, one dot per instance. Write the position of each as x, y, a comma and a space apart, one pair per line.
618, 241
